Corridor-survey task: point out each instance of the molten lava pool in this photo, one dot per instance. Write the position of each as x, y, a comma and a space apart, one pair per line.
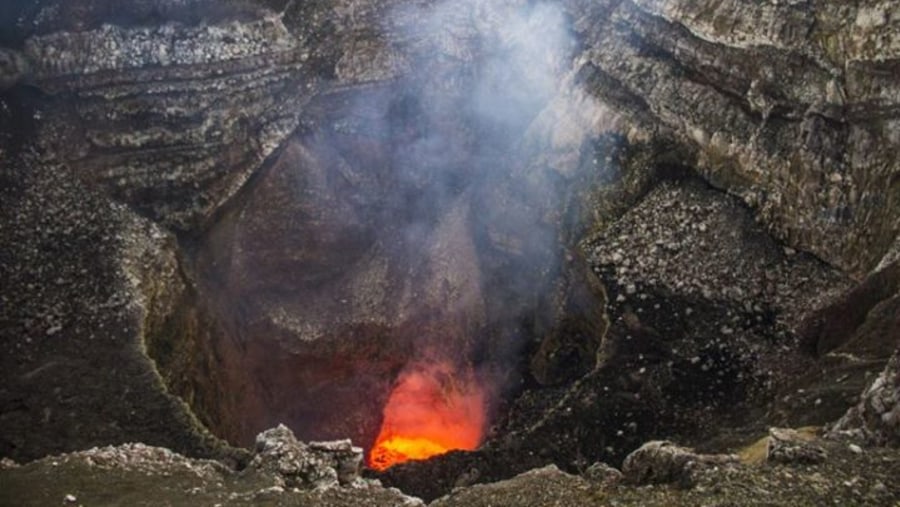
431, 410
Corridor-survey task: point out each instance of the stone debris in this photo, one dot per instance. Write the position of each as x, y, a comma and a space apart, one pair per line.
294, 464
661, 461
791, 446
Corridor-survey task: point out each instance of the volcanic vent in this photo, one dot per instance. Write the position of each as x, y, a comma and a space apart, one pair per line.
432, 410
391, 272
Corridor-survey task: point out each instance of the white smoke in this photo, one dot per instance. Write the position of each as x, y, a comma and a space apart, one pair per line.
482, 127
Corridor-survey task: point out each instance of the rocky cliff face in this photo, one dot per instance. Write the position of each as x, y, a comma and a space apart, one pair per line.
665, 218
785, 104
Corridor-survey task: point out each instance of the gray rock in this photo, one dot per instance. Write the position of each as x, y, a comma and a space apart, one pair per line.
660, 462
876, 418
318, 465
789, 446
603, 474
137, 474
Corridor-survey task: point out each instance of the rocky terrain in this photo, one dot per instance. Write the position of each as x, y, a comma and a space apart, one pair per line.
623, 224
786, 468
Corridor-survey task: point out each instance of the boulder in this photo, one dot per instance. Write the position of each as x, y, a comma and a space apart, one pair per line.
876, 418
790, 446
661, 462
317, 465
603, 474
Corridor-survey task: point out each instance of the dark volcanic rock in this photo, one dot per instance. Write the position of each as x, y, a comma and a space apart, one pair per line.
855, 336
82, 279
239, 194
709, 305
601, 473
688, 239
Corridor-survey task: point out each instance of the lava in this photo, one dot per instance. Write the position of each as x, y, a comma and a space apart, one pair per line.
433, 409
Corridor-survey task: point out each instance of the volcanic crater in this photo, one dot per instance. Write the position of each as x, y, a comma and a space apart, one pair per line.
474, 238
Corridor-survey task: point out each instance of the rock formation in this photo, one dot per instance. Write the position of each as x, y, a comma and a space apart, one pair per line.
877, 416
667, 219
662, 462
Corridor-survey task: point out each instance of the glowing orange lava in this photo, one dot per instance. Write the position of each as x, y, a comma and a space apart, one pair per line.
432, 410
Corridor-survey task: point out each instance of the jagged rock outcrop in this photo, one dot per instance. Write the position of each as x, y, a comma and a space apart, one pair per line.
317, 465
877, 416
143, 475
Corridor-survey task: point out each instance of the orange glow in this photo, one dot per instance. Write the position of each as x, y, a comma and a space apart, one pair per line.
431, 411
